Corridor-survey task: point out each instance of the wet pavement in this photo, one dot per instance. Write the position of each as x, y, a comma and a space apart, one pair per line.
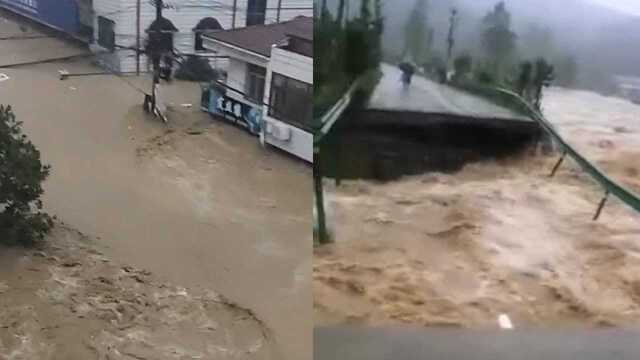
411, 344
211, 210
424, 95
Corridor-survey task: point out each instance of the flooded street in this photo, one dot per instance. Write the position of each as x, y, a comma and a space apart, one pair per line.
198, 203
496, 238
67, 300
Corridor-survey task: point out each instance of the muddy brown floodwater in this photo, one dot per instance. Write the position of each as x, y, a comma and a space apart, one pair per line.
198, 203
67, 300
497, 237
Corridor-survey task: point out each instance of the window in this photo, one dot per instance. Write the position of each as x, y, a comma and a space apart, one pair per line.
199, 42
256, 12
291, 101
106, 33
254, 88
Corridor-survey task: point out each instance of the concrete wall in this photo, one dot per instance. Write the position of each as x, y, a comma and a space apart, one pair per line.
110, 9
296, 67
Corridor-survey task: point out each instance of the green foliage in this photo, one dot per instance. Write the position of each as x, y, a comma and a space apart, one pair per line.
483, 75
433, 64
22, 220
196, 69
524, 79
498, 40
463, 65
544, 76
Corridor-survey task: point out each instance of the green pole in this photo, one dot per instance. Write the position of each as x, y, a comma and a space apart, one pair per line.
323, 237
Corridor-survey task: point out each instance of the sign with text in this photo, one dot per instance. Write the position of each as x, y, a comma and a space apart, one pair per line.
238, 112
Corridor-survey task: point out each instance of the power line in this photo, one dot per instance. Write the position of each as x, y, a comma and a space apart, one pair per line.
25, 37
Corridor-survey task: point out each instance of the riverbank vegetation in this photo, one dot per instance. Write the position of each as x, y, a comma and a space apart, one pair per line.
22, 173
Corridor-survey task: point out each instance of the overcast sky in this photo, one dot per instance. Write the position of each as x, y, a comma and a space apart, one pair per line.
628, 6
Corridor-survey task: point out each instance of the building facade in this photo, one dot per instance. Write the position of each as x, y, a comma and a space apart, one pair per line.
119, 25
271, 68
74, 17
115, 28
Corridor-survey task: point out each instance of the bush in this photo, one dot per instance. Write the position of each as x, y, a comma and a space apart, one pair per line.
484, 77
196, 69
22, 220
462, 65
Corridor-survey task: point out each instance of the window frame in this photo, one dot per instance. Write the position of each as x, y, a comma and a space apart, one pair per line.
254, 72
256, 12
277, 98
111, 45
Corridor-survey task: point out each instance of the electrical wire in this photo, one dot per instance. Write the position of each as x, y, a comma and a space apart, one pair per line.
25, 37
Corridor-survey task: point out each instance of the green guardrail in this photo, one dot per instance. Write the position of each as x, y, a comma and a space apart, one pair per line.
329, 118
611, 187
325, 123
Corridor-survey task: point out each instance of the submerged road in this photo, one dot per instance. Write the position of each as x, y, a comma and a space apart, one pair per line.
211, 210
424, 95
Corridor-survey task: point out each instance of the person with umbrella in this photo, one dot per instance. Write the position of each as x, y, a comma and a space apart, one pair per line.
407, 72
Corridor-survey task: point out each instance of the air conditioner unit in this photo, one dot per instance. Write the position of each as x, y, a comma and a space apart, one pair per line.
279, 132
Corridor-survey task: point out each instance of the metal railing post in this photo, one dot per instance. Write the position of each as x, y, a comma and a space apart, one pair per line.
323, 236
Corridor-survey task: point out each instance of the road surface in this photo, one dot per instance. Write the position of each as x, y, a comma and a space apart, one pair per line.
424, 95
433, 344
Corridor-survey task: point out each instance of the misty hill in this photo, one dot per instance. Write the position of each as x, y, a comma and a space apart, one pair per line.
604, 41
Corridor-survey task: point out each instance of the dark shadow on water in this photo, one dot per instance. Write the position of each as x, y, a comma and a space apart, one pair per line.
385, 146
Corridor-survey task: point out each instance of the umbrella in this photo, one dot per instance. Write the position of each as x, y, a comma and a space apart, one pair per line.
407, 67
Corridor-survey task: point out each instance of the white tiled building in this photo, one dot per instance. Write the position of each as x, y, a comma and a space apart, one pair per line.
116, 23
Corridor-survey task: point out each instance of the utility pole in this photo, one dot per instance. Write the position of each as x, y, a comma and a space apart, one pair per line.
138, 37
323, 236
154, 51
453, 20
235, 8
279, 9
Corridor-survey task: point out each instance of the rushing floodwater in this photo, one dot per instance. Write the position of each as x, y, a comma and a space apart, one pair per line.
496, 237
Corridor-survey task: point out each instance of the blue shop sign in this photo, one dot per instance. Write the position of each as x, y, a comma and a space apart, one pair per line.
216, 102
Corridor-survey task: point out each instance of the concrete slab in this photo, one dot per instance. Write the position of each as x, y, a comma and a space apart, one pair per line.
424, 95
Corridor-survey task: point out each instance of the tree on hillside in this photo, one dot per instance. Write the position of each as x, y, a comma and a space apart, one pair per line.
21, 175
462, 65
544, 76
498, 40
523, 82
417, 38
